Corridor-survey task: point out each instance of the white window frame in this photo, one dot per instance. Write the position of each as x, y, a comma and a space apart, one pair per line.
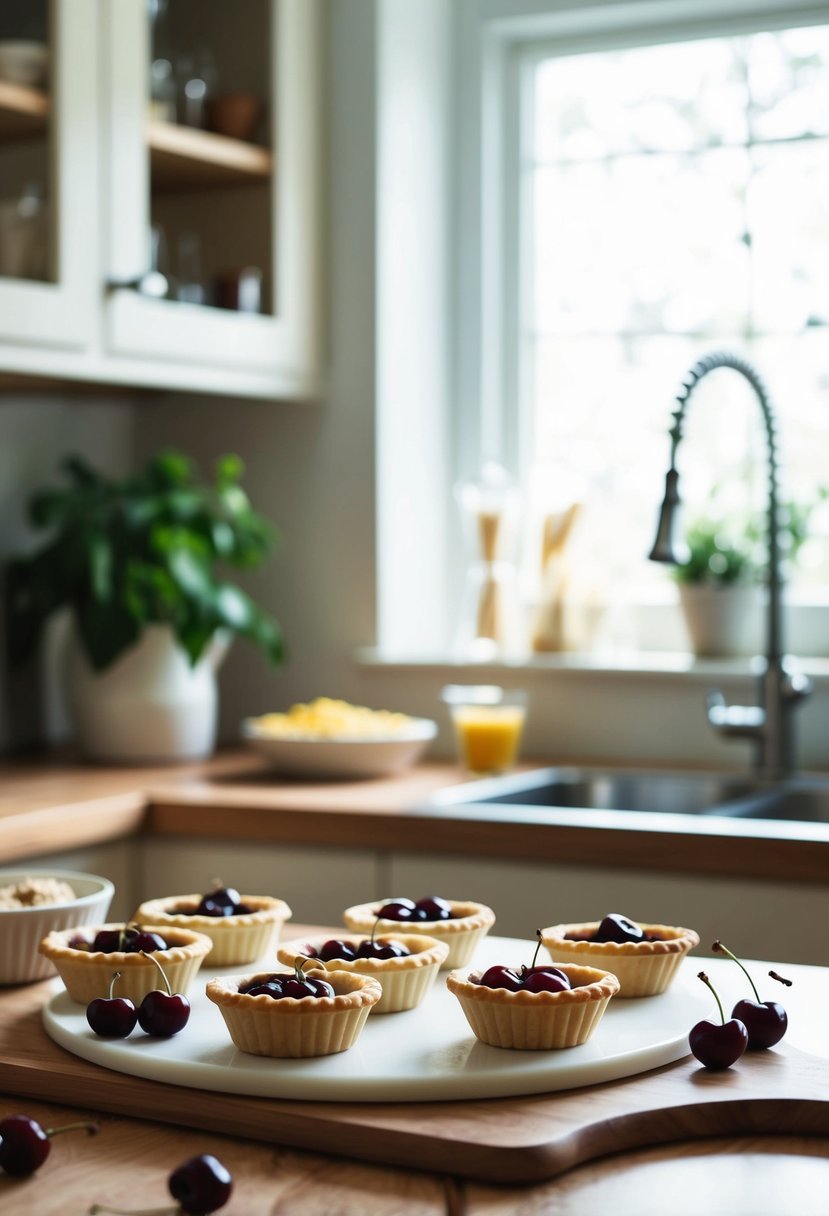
491, 373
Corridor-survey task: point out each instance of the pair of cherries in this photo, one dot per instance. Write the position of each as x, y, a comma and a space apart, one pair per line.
162, 1012
526, 979
129, 939
220, 902
754, 1025
430, 907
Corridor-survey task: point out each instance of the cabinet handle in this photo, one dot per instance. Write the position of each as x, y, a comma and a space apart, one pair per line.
151, 283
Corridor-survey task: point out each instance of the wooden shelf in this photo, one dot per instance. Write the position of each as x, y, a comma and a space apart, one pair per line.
184, 158
24, 112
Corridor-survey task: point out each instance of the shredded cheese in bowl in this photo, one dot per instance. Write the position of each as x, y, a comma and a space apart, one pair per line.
327, 718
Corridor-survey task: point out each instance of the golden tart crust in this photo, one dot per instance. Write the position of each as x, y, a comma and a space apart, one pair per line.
87, 973
405, 981
470, 923
535, 1021
642, 968
296, 1028
236, 939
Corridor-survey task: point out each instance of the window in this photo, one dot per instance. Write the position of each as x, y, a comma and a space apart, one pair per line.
661, 190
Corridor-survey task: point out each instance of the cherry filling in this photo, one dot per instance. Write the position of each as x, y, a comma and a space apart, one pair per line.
430, 907
127, 940
220, 902
336, 949
545, 978
615, 928
294, 984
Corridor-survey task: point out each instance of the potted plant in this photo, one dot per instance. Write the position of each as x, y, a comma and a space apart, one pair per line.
136, 562
722, 582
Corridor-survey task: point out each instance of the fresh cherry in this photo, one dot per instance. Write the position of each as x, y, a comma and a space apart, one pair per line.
112, 1017
431, 907
163, 1013
765, 1021
200, 1186
398, 909
381, 949
617, 928
716, 1046
334, 948
25, 1145
127, 940
545, 978
271, 987
221, 901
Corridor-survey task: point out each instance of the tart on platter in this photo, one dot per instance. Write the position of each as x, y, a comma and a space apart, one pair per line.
644, 957
405, 964
285, 1026
248, 931
461, 924
87, 969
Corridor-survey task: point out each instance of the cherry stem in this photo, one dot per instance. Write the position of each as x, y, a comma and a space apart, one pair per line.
718, 946
153, 959
702, 976
91, 1129
299, 965
100, 1207
781, 979
537, 947
116, 975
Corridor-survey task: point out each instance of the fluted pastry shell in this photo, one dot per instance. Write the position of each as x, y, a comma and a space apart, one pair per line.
236, 939
296, 1028
471, 922
405, 981
87, 973
642, 968
535, 1021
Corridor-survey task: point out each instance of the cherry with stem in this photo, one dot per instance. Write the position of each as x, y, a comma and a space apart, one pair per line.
112, 1017
200, 1186
765, 1021
163, 1013
25, 1144
718, 1047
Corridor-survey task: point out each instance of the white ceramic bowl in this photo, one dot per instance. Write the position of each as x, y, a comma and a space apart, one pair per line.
24, 63
342, 757
22, 929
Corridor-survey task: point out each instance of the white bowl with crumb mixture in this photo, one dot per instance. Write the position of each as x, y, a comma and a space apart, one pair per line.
34, 901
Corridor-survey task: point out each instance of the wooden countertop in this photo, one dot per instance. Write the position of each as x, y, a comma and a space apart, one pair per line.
50, 804
761, 1130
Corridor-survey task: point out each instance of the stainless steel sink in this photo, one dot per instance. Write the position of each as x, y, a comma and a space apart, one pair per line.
678, 793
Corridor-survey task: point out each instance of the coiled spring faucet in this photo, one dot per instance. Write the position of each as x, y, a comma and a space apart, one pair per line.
769, 724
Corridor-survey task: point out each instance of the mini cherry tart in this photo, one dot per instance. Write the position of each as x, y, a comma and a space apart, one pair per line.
535, 1021
86, 973
237, 939
291, 1027
405, 980
643, 968
469, 923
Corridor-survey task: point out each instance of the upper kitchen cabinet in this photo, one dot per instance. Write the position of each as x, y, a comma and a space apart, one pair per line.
48, 175
198, 234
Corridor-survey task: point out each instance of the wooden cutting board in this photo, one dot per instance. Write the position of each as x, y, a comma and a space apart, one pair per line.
515, 1140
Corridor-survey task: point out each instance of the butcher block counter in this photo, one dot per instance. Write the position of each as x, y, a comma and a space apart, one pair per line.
678, 1138
50, 803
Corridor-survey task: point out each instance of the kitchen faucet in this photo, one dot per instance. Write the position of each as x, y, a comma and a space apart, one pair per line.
769, 723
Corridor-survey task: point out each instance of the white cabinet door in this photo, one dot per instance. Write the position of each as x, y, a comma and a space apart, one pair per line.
238, 202
49, 229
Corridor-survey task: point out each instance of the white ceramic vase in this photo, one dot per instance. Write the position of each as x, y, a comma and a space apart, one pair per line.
150, 706
723, 620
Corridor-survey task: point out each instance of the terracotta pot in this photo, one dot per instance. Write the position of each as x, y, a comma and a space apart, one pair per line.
149, 706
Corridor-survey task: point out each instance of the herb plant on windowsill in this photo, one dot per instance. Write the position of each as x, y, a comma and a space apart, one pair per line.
137, 560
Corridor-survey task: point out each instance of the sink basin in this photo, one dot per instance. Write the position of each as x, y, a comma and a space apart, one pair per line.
611, 790
677, 793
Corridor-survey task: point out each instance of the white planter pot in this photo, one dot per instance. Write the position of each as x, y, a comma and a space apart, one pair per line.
151, 705
723, 621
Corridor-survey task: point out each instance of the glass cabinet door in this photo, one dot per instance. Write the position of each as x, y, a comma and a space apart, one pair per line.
213, 158
49, 259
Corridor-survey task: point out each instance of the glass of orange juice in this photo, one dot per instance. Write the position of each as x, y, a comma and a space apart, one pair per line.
488, 721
